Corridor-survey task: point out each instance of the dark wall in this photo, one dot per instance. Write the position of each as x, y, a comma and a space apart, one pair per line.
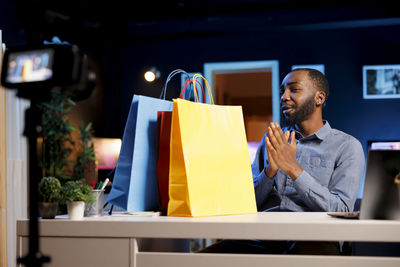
122, 57
343, 51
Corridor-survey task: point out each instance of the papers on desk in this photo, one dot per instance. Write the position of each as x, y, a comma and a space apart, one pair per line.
346, 215
136, 213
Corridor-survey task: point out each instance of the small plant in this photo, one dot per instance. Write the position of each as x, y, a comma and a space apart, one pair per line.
49, 189
77, 191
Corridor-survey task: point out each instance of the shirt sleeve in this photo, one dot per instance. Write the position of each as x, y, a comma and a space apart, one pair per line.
262, 183
342, 191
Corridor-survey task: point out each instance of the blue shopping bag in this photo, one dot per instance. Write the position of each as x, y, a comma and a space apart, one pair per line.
134, 187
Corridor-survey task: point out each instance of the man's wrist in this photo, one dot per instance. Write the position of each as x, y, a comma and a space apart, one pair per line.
295, 172
269, 172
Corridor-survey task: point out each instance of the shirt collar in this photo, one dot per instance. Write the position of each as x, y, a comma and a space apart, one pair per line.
321, 134
324, 131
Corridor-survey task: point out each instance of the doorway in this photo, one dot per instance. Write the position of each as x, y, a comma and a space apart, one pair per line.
252, 84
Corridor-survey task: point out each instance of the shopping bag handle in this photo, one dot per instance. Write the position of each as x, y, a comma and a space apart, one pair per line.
184, 87
172, 74
210, 96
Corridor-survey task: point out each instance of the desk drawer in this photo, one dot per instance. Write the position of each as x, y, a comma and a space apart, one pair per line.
70, 251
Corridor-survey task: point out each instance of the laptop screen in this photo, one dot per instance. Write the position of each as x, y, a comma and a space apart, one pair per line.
381, 196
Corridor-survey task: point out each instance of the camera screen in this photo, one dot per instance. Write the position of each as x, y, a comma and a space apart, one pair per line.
30, 66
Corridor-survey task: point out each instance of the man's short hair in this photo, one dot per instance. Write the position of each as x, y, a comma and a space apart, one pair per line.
319, 80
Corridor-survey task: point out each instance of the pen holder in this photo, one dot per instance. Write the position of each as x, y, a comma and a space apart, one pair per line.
96, 209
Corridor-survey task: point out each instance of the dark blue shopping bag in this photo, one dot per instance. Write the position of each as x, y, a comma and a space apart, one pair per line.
134, 187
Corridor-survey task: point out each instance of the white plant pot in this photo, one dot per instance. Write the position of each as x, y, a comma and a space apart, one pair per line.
76, 210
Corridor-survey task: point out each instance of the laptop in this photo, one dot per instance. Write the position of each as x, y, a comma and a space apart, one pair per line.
381, 196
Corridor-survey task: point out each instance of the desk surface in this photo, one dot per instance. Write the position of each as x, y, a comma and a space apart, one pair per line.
267, 225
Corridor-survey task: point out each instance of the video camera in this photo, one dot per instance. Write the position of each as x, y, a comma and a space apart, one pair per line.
35, 70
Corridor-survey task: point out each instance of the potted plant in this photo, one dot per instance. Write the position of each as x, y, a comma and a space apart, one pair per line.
75, 194
49, 191
58, 144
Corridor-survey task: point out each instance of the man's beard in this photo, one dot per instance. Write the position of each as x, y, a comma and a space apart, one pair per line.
302, 112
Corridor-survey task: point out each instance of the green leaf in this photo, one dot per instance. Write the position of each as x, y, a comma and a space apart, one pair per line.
71, 102
88, 127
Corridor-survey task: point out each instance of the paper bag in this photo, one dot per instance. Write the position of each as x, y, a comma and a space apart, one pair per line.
163, 142
210, 170
134, 187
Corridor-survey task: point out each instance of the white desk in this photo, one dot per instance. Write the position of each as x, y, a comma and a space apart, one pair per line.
112, 241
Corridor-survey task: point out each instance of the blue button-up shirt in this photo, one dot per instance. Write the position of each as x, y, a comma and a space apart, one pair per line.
333, 164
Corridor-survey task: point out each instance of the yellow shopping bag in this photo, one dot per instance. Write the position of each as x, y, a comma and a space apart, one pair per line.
210, 170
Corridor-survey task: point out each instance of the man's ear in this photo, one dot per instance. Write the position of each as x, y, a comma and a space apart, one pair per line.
320, 98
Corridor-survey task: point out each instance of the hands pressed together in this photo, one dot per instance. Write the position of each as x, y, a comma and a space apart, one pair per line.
281, 152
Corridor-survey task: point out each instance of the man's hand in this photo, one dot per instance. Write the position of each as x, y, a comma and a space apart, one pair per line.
281, 152
272, 169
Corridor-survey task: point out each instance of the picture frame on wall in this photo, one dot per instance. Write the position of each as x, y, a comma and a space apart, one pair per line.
381, 81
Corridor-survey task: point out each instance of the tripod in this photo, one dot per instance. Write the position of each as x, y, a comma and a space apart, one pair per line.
32, 131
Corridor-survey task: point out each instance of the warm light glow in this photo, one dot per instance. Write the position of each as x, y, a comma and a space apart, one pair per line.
150, 76
107, 152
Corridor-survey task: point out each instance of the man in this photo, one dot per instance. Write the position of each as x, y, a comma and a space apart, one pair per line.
309, 166
306, 167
